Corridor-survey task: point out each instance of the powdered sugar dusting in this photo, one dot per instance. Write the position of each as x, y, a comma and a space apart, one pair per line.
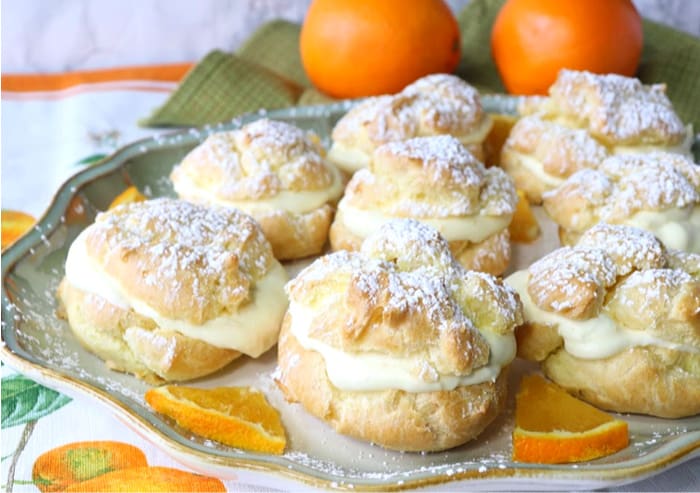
446, 104
431, 177
412, 263
617, 108
213, 254
443, 158
629, 183
561, 150
434, 105
259, 160
630, 248
606, 258
569, 277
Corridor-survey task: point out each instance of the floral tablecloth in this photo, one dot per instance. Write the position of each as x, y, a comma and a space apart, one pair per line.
52, 127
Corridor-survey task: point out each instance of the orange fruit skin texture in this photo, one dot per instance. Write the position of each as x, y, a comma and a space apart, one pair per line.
531, 40
149, 479
357, 48
76, 462
555, 450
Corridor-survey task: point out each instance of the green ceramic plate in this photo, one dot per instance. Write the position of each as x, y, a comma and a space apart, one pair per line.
40, 345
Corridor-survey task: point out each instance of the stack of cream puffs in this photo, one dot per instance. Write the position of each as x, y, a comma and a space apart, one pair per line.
438, 104
435, 180
585, 118
168, 290
273, 171
398, 344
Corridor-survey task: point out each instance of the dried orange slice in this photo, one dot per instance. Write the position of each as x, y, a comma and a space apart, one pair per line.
502, 124
129, 195
14, 225
239, 417
553, 427
524, 227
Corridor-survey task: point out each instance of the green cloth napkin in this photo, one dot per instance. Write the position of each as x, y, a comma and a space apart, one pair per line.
266, 72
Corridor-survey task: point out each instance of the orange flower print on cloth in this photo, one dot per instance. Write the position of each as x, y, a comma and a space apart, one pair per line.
149, 480
111, 466
58, 468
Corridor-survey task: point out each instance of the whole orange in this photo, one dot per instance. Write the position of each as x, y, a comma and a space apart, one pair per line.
355, 48
531, 40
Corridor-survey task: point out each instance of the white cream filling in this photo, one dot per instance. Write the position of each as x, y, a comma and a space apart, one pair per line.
379, 371
347, 158
296, 202
252, 330
535, 168
475, 228
676, 228
595, 338
682, 148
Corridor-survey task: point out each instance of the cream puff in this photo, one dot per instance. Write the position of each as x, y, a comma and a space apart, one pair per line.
540, 154
398, 344
435, 180
615, 320
620, 112
169, 290
438, 104
273, 171
658, 192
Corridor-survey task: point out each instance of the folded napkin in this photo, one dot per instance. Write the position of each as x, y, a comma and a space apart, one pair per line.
266, 72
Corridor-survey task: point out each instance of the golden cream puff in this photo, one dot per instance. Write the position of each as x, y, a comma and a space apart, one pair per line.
658, 192
273, 171
398, 344
540, 154
435, 180
615, 320
438, 104
169, 290
620, 112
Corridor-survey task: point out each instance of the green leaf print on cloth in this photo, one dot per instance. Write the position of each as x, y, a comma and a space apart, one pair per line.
24, 400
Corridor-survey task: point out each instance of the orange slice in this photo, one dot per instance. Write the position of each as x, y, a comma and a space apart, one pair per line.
14, 225
553, 427
129, 195
239, 417
524, 227
502, 124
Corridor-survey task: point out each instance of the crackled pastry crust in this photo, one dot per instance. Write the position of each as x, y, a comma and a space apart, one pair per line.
431, 179
438, 104
275, 172
403, 296
616, 110
623, 186
540, 154
627, 275
586, 118
184, 263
